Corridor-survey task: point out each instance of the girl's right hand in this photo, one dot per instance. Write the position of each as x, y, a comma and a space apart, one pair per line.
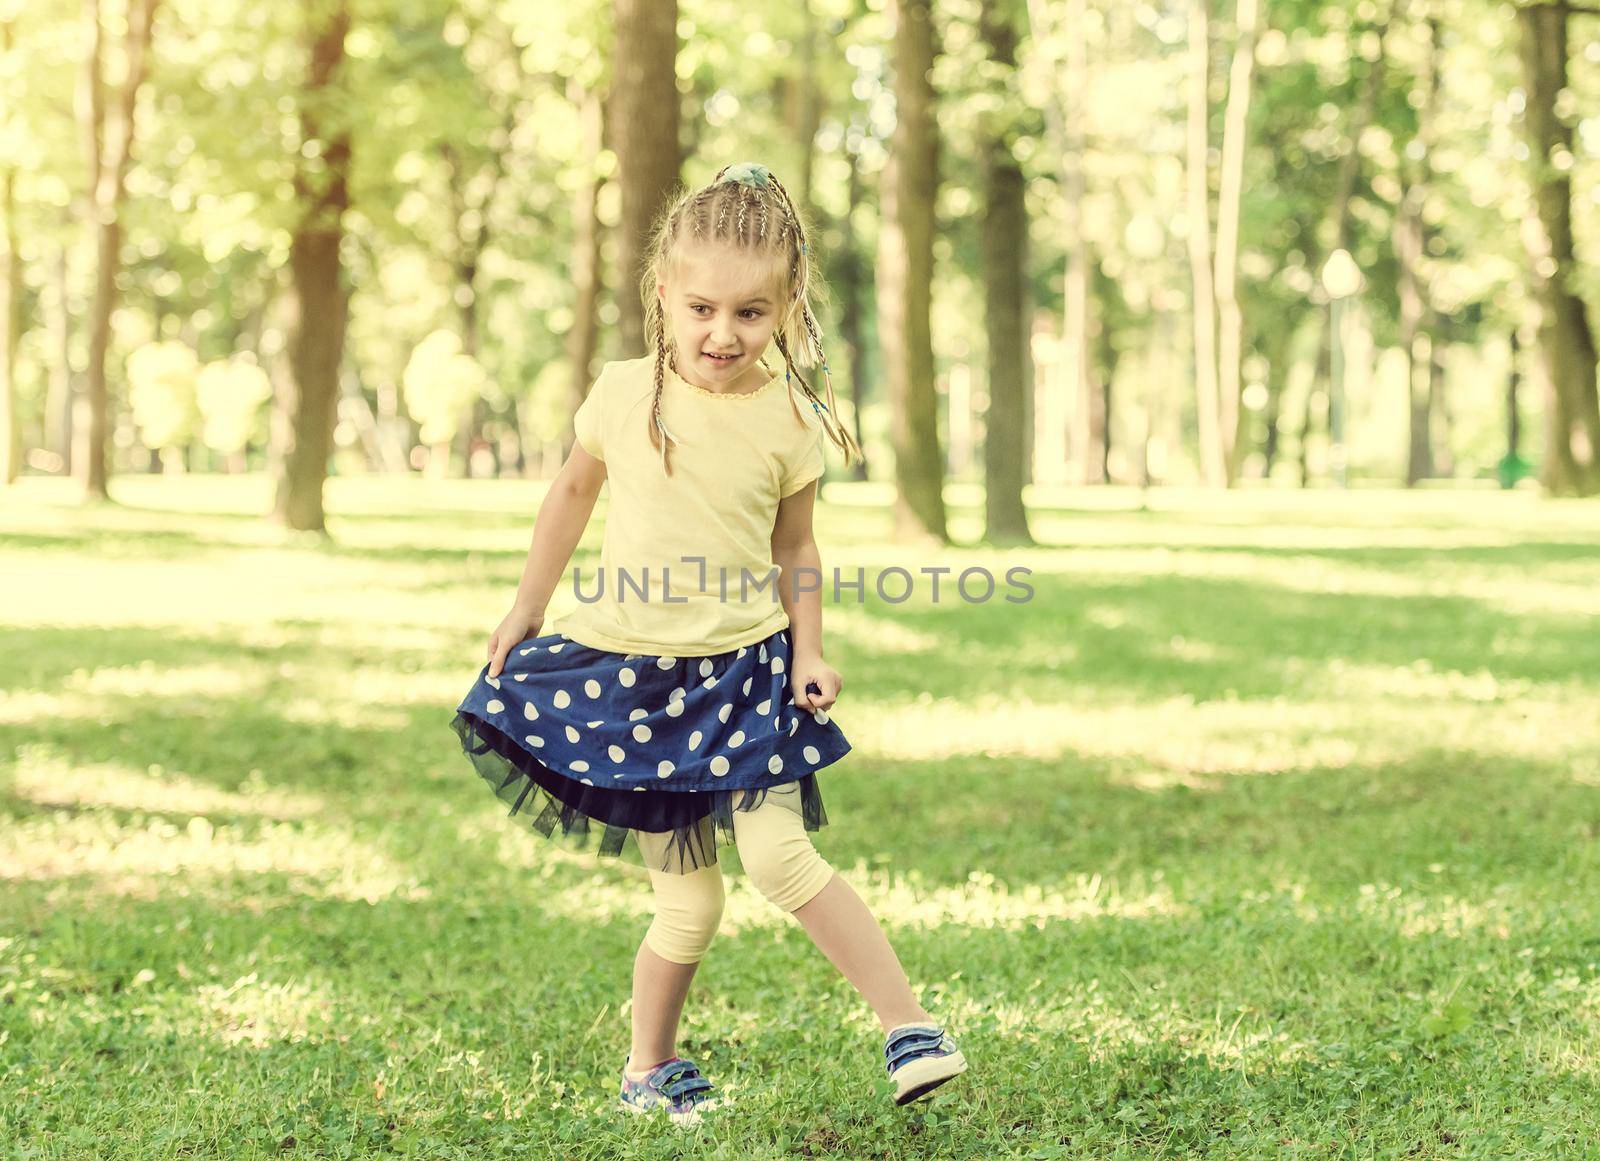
517, 627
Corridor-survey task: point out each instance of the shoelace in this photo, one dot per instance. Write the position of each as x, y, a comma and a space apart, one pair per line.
909, 1043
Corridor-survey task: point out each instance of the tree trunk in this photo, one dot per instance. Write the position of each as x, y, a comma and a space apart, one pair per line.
905, 278
1337, 224
107, 135
644, 120
585, 247
1212, 458
849, 282
1004, 233
1232, 418
321, 305
1566, 344
1409, 239
10, 319
59, 394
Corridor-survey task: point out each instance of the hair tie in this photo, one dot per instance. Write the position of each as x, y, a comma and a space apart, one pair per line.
750, 173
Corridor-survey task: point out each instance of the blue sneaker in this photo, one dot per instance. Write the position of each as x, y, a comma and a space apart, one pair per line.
675, 1084
920, 1057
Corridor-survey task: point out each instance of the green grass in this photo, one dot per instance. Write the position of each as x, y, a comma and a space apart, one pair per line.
1266, 829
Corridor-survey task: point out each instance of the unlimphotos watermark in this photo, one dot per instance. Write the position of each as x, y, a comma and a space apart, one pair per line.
894, 585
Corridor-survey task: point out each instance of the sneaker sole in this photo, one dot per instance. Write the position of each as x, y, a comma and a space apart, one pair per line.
683, 1120
918, 1078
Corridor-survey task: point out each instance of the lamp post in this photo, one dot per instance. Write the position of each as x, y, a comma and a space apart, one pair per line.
1341, 278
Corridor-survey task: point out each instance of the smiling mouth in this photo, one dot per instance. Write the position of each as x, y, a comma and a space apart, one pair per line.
720, 358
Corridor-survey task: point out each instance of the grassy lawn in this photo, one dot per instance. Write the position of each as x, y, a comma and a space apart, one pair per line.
1267, 828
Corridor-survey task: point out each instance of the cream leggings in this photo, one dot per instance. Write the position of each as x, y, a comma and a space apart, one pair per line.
777, 855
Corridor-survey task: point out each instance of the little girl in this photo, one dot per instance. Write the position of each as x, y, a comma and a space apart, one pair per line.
687, 697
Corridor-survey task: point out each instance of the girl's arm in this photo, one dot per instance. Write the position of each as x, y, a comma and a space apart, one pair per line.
794, 551
559, 526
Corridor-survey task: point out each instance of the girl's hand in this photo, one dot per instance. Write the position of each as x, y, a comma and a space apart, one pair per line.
518, 626
814, 671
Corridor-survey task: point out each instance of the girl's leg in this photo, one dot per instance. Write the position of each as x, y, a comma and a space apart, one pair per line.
688, 909
784, 866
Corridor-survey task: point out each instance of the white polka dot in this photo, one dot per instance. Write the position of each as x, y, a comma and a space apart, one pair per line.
777, 665
632, 657
775, 764
794, 724
494, 682
764, 707
519, 677
725, 711
705, 667
562, 699
694, 740
743, 649
664, 769
627, 678
813, 755
638, 787
747, 682
762, 653
586, 782
580, 766
821, 716
710, 683
676, 695
572, 734
592, 687
674, 708
776, 723
666, 662
529, 712
535, 740
615, 753
525, 652
737, 740
599, 722
641, 733
494, 705
719, 765
557, 648
637, 714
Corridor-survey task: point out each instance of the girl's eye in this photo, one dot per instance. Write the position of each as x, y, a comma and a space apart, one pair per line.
754, 314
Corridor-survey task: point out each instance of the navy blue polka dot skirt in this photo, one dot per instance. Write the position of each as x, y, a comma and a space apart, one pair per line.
582, 739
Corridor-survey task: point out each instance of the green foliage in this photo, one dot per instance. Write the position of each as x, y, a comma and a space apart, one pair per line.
161, 392
440, 380
230, 393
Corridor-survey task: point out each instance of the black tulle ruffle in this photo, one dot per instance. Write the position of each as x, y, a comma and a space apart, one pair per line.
691, 821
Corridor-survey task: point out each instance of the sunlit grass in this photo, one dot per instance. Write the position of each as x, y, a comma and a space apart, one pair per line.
1266, 828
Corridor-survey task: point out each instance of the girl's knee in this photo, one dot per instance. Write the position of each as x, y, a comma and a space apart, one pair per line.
789, 872
688, 913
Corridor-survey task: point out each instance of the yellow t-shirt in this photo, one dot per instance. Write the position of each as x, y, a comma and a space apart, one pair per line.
735, 457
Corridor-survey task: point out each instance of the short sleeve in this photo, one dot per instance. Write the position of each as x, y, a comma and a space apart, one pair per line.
807, 467
587, 421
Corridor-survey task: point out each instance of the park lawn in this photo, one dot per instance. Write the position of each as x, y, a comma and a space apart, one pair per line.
1265, 828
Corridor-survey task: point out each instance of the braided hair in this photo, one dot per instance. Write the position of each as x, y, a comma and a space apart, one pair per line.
747, 207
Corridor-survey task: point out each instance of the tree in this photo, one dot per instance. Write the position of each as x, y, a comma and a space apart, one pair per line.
1005, 290
644, 120
322, 305
1565, 341
905, 278
108, 135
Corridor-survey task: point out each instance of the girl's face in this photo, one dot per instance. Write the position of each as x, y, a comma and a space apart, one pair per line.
721, 306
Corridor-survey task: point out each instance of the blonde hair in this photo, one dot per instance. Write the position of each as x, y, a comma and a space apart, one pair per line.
746, 207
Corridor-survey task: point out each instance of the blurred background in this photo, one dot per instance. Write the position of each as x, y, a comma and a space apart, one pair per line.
1299, 244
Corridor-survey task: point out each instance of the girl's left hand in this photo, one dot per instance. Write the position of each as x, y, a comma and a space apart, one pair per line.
814, 671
